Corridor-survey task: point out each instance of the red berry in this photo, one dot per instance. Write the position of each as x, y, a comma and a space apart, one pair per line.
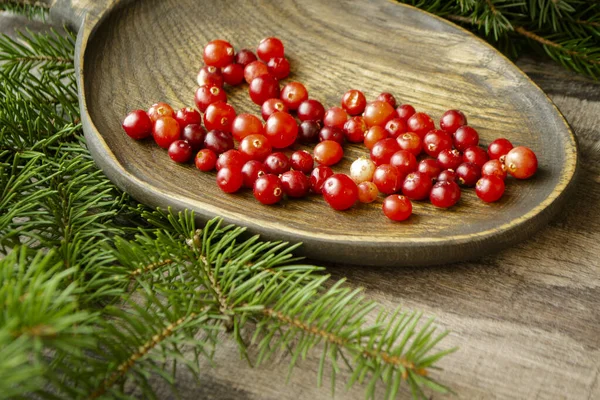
218, 141
468, 174
388, 179
137, 125
180, 151
251, 171
340, 192
230, 180
499, 148
311, 110
194, 134
272, 106
160, 110
374, 135
233, 74
165, 131
218, 53
354, 102
367, 192
476, 155
245, 57
330, 133
245, 125
521, 162
328, 152
429, 167
268, 189
412, 142
210, 76
378, 113
263, 88
452, 120
490, 188
444, 194
302, 161
318, 176
495, 168
382, 151
420, 123
207, 95
435, 141
232, 159
417, 186
256, 147
295, 183
465, 137
270, 47
277, 163
308, 131
219, 116
397, 208
449, 159
388, 98
279, 67
187, 116
405, 111
404, 161
206, 160
254, 70
335, 117
355, 129
281, 129
293, 94
395, 127
447, 175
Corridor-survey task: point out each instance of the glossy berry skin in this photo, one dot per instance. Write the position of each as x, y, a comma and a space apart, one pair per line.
230, 180
355, 129
420, 123
279, 67
251, 171
159, 110
378, 113
219, 116
340, 192
137, 125
310, 110
495, 168
277, 163
465, 137
165, 131
435, 141
367, 192
404, 161
395, 127
374, 135
382, 151
245, 125
429, 167
362, 170
388, 179
308, 132
354, 102
449, 159
447, 175
218, 53
417, 185
232, 159
475, 155
281, 129
293, 94
207, 95
412, 142
255, 147
330, 133
444, 194
263, 88
270, 47
254, 70
210, 76
272, 106
452, 120
499, 148
397, 207
468, 174
302, 161
328, 152
335, 117
388, 98
218, 141
194, 134
233, 74
180, 151
187, 116
318, 176
405, 111
268, 189
205, 160
244, 57
295, 183
490, 188
521, 162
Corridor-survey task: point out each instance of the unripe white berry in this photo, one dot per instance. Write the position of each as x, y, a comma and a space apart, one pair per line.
362, 170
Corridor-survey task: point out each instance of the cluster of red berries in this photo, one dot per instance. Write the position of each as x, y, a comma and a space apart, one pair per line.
395, 135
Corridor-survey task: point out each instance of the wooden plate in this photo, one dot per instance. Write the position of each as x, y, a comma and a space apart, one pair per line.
133, 54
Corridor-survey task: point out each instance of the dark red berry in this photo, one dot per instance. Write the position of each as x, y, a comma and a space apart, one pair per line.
233, 74
395, 127
490, 188
444, 194
429, 167
263, 88
354, 102
277, 163
210, 76
219, 116
218, 53
355, 129
494, 167
256, 147
308, 132
245, 125
245, 57
311, 110
251, 171
465, 137
420, 123
295, 183
382, 151
187, 116
417, 186
268, 189
279, 67
412, 142
205, 160
230, 180
270, 47
272, 106
521, 162
475, 155
180, 151
499, 148
335, 117
468, 174
165, 131
435, 141
447, 175
194, 134
159, 110
388, 179
318, 176
331, 133
449, 159
137, 125
404, 161
281, 129
254, 70
397, 207
340, 192
218, 141
388, 98
405, 111
328, 152
374, 135
302, 161
232, 159
293, 94
378, 113
452, 120
207, 95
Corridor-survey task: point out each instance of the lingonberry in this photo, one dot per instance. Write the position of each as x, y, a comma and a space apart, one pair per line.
194, 134
420, 123
295, 183
340, 192
302, 161
490, 188
308, 132
159, 110
245, 125
435, 141
268, 189
404, 161
417, 186
207, 95
405, 111
495, 168
254, 70
378, 113
362, 170
387, 178
233, 159
367, 192
449, 159
219, 116
218, 141
218, 53
245, 57
397, 207
499, 148
210, 76
354, 102
230, 180
328, 152
281, 129
272, 106
263, 88
444, 194
355, 129
468, 174
277, 163
279, 67
137, 125
205, 160
165, 131
465, 137
447, 175
388, 98
395, 127
270, 47
256, 147
475, 155
330, 133
187, 116
233, 74
293, 94
374, 135
251, 171
521, 162
311, 110
335, 117
382, 151
180, 151
429, 167
412, 142
452, 120
318, 176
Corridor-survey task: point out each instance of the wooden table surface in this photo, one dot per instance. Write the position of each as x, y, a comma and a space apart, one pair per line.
527, 320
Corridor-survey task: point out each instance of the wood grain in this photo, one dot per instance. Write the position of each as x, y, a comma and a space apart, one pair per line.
428, 62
